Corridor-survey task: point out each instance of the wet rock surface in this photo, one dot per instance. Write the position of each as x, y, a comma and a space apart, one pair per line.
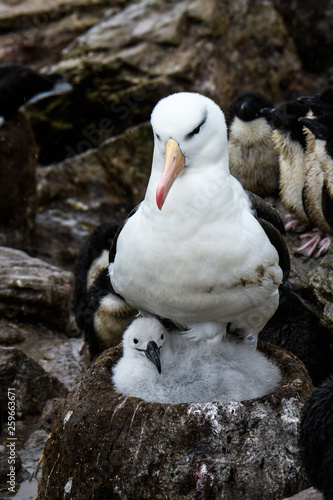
30, 287
308, 494
196, 450
131, 58
310, 26
32, 388
18, 195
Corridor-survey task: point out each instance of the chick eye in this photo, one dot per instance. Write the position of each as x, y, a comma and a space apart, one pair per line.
162, 336
135, 341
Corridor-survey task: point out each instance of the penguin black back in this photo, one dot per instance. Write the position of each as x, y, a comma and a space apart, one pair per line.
101, 239
316, 438
296, 329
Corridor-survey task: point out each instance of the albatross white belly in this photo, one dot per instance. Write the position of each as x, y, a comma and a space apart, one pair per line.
202, 276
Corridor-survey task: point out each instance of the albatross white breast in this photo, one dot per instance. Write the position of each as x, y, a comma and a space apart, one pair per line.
193, 252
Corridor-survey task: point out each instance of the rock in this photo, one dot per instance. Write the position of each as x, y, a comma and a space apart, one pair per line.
18, 196
124, 64
30, 455
10, 333
112, 447
41, 371
36, 31
32, 385
57, 354
308, 494
49, 414
116, 171
32, 388
310, 26
320, 281
30, 287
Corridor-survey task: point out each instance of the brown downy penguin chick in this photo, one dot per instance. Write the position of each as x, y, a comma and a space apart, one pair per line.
316, 438
319, 183
290, 143
252, 156
321, 103
20, 85
100, 313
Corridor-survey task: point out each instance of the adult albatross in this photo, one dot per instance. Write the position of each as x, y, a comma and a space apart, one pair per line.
193, 251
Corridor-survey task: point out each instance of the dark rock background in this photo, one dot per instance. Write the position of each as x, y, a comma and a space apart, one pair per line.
73, 162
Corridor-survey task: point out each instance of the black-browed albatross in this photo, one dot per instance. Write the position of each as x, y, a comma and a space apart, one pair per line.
163, 367
194, 252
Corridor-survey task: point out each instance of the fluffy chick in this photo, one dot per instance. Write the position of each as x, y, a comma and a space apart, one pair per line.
253, 159
222, 371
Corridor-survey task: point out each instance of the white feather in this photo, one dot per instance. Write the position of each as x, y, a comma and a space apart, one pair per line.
203, 261
191, 372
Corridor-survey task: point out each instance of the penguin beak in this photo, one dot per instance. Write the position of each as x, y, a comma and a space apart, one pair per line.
173, 165
307, 100
153, 354
317, 128
274, 115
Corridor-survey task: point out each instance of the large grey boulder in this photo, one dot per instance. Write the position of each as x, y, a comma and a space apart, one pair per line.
32, 385
107, 446
32, 288
115, 172
126, 62
320, 283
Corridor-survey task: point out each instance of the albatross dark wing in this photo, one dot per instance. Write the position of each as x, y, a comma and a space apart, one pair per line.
272, 224
113, 248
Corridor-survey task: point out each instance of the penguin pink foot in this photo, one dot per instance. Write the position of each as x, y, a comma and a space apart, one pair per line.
316, 245
291, 223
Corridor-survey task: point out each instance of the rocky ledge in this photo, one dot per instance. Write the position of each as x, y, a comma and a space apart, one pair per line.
107, 446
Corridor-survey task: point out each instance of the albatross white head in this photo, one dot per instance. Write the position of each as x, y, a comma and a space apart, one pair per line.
190, 135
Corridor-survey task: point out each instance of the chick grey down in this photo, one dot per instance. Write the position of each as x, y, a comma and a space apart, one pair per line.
190, 372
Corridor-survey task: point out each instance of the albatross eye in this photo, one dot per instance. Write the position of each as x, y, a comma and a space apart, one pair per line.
162, 336
195, 131
135, 341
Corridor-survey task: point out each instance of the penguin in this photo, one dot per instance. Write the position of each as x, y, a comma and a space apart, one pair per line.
290, 144
321, 103
20, 85
322, 129
316, 438
253, 159
295, 328
99, 312
317, 198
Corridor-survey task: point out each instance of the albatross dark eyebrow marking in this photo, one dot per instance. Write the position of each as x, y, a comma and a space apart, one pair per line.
196, 130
